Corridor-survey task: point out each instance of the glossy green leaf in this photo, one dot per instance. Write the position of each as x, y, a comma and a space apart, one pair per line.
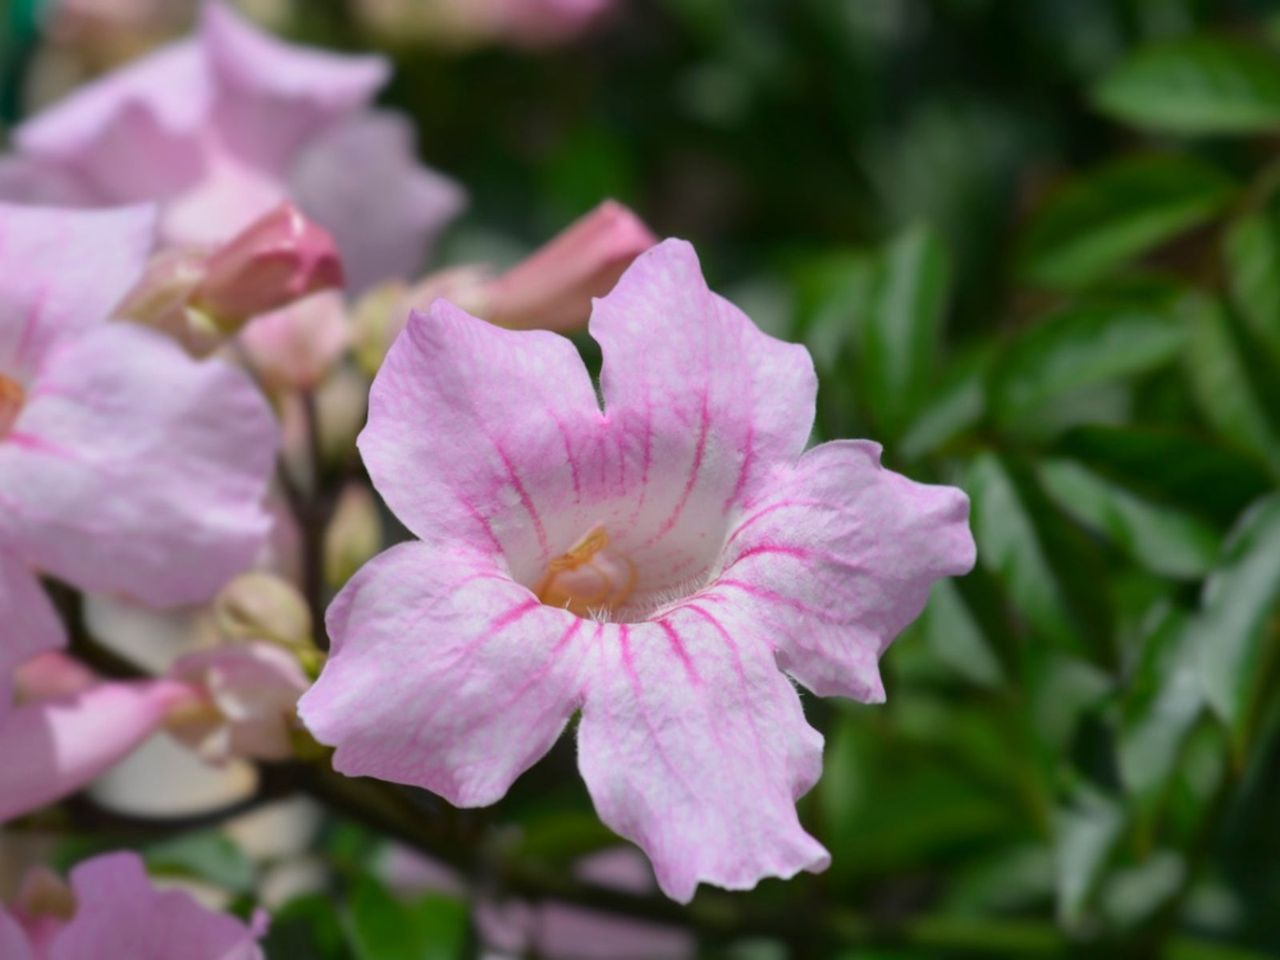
1085, 835
1170, 466
431, 927
958, 404
956, 639
1252, 254
1093, 224
1224, 384
1166, 540
206, 855
309, 928
1162, 701
1237, 624
1198, 85
1048, 569
900, 332
1079, 347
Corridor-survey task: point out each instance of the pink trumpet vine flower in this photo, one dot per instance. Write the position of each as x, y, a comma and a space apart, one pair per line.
111, 910
54, 747
125, 466
224, 126
656, 565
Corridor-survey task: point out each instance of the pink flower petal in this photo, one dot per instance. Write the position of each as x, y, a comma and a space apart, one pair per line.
483, 435
837, 559
132, 135
14, 943
273, 96
296, 346
55, 747
695, 747
62, 272
445, 675
120, 914
701, 402
134, 469
387, 219
31, 626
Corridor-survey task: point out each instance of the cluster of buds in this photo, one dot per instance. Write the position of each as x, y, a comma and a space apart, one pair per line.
201, 297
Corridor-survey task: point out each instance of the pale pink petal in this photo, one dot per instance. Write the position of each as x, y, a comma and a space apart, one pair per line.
444, 674
35, 181
836, 559
273, 96
483, 434
55, 747
695, 748
386, 219
51, 675
133, 135
255, 688
62, 272
296, 347
28, 623
134, 469
120, 914
700, 403
14, 944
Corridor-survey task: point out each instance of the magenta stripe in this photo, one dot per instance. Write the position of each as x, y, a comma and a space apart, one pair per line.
678, 646
568, 453
760, 593
780, 505
698, 453
748, 459
526, 500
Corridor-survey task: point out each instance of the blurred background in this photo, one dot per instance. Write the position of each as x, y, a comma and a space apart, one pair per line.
1034, 247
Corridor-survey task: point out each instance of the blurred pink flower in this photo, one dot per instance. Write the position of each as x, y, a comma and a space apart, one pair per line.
295, 348
222, 127
111, 910
250, 691
54, 747
125, 467
652, 565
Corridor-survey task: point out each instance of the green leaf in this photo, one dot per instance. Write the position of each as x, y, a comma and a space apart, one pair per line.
1085, 836
1252, 253
207, 855
1081, 346
1198, 85
1163, 699
307, 927
1181, 469
957, 405
901, 328
1236, 625
956, 639
1164, 539
432, 927
1223, 383
1095, 223
831, 289
1049, 570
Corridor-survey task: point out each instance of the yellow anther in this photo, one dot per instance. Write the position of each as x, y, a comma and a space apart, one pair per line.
12, 396
581, 553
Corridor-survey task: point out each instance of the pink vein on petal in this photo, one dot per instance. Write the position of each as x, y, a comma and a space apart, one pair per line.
678, 646
525, 500
698, 453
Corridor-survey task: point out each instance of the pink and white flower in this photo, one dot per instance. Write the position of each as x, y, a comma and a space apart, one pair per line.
224, 126
125, 466
111, 909
656, 565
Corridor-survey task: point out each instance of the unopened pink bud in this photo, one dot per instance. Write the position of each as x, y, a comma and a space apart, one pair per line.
51, 675
552, 289
278, 259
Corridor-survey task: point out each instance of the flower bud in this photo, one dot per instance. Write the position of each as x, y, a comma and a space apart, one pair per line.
262, 606
382, 313
552, 289
161, 300
278, 259
295, 347
354, 535
51, 675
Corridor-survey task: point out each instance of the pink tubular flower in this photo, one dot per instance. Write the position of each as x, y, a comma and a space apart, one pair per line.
553, 288
111, 910
54, 747
125, 467
653, 565
278, 259
222, 127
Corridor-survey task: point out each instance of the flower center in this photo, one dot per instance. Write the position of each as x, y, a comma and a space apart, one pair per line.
588, 579
12, 397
